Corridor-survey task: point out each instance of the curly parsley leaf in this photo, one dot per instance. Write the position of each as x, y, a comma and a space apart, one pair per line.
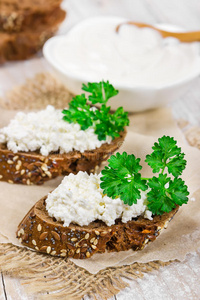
105, 123
121, 178
100, 91
166, 154
79, 110
158, 200
165, 194
110, 124
110, 182
178, 191
130, 192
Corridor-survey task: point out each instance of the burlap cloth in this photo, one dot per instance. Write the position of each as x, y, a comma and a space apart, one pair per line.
101, 274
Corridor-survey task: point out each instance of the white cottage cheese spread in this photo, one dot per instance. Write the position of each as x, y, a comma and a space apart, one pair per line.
47, 132
79, 199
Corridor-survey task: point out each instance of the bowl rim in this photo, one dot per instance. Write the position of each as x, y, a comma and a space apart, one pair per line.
47, 52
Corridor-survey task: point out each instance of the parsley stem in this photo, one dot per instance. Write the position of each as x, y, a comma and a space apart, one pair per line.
132, 177
165, 164
143, 178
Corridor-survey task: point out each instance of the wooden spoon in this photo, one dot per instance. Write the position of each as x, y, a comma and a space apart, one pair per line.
186, 37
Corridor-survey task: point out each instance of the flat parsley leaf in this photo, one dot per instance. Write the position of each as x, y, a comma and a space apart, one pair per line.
105, 122
121, 178
168, 155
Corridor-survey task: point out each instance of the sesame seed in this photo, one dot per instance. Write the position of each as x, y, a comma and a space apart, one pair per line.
22, 172
48, 174
10, 162
92, 240
17, 167
95, 242
88, 254
22, 231
19, 162
39, 227
48, 249
74, 239
87, 236
44, 167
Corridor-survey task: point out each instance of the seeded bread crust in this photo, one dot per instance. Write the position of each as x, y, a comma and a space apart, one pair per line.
34, 168
24, 44
17, 15
44, 234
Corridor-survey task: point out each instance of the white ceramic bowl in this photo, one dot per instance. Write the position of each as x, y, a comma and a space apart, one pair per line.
132, 97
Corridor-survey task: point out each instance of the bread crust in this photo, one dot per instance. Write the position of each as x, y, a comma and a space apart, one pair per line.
24, 44
16, 16
44, 234
34, 168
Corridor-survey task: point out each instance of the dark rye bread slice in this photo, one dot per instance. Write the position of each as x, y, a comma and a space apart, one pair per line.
18, 15
24, 44
42, 233
34, 168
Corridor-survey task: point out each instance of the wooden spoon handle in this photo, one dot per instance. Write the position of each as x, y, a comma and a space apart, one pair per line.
186, 37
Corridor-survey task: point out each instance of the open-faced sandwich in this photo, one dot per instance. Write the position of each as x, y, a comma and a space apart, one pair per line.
38, 146
114, 211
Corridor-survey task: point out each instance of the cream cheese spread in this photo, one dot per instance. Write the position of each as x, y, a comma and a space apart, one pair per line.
133, 57
79, 199
46, 131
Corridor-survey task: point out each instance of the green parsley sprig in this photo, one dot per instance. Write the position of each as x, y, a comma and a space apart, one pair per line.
106, 123
122, 178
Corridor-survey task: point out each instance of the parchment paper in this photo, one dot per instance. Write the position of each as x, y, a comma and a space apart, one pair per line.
182, 235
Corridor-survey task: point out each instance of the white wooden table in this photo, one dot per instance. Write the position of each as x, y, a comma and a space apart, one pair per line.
178, 280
